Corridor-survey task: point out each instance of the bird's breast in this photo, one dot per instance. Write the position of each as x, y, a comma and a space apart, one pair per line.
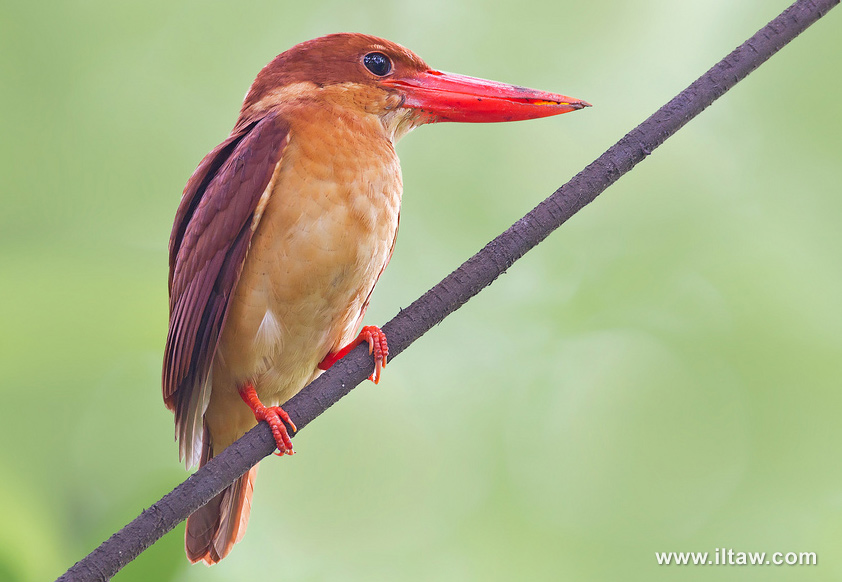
324, 237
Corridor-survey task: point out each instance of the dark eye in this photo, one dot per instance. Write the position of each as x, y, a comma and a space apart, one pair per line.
378, 63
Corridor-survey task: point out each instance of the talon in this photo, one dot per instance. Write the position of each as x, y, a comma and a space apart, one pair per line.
275, 416
377, 345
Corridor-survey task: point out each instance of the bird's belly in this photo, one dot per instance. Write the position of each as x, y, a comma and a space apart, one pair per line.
312, 264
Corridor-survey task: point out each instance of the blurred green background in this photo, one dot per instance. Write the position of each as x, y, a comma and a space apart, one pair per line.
663, 374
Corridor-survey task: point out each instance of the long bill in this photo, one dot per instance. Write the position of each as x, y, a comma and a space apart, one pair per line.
440, 96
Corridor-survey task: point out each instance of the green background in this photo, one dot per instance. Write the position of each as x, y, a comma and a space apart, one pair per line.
662, 374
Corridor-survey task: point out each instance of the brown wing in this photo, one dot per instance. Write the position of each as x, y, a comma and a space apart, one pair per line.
208, 245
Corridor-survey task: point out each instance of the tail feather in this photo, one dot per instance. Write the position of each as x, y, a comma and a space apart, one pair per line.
213, 530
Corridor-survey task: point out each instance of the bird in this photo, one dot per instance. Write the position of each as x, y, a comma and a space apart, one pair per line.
281, 234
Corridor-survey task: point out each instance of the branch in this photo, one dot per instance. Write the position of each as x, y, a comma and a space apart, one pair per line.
475, 274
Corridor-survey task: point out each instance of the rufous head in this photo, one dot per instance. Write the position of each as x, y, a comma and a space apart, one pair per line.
373, 76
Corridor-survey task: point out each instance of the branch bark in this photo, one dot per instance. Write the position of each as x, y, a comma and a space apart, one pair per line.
469, 279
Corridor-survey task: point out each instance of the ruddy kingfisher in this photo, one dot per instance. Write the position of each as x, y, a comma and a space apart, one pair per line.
282, 232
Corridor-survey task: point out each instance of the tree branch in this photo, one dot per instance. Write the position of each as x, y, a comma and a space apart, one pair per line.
475, 274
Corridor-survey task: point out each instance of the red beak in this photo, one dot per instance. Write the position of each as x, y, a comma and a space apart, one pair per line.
449, 97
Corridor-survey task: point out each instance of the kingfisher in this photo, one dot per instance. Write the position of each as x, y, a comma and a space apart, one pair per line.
282, 233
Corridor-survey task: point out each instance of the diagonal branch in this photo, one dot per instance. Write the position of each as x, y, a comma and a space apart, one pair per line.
430, 309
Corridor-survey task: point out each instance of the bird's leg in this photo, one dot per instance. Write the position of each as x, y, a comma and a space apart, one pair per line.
377, 345
275, 416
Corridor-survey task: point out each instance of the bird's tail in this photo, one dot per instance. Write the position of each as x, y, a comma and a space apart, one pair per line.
213, 530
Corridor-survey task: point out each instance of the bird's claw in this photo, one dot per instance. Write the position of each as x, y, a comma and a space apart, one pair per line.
378, 346
275, 417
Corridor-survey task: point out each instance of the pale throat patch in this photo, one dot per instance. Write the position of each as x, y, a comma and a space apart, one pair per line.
399, 122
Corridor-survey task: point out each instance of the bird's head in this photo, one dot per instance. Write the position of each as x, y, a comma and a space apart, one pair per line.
374, 76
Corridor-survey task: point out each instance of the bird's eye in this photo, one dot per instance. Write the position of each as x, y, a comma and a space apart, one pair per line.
378, 63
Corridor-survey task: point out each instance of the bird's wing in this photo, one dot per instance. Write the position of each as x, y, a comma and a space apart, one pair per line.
208, 245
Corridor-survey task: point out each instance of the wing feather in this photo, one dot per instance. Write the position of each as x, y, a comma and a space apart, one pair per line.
208, 246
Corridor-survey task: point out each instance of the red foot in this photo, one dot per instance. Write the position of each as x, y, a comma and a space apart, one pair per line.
377, 345
274, 417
